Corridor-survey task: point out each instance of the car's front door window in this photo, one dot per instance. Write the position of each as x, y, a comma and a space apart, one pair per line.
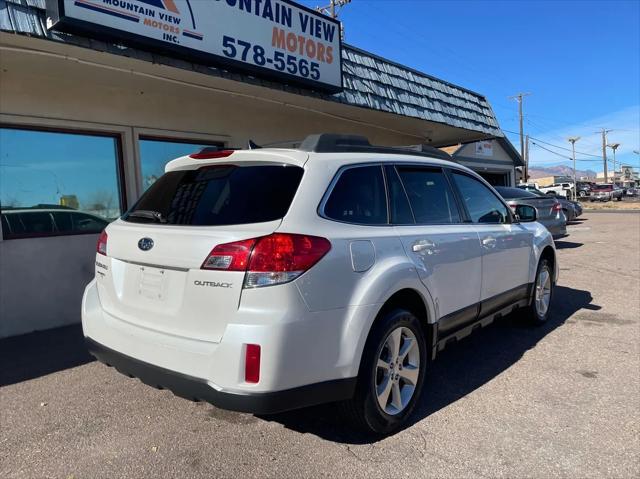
483, 206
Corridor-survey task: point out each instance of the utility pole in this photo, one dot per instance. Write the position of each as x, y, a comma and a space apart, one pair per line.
331, 8
525, 160
604, 153
518, 97
614, 147
573, 140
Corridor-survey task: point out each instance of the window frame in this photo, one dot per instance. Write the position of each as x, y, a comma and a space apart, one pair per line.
462, 211
145, 134
103, 132
468, 220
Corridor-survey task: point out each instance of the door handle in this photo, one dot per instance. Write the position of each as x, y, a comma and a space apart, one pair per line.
426, 246
489, 242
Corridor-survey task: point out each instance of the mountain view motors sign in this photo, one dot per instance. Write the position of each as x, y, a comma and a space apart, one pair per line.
276, 38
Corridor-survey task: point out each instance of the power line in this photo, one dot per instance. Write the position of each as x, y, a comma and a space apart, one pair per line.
561, 155
544, 131
555, 146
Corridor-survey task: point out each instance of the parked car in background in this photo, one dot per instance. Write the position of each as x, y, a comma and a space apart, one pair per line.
584, 189
559, 189
549, 209
571, 209
44, 220
605, 192
265, 280
632, 191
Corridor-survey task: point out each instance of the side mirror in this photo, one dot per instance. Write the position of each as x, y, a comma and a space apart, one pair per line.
526, 213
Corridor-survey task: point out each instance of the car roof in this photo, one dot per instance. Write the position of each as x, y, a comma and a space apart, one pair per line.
301, 158
326, 147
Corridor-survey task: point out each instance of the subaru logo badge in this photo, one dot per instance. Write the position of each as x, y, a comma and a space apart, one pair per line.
145, 244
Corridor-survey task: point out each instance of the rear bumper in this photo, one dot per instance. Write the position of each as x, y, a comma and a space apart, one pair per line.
196, 389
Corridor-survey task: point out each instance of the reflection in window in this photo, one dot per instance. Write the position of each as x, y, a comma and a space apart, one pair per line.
431, 197
482, 204
57, 183
359, 197
156, 153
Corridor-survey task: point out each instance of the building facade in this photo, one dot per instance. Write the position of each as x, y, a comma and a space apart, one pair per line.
87, 124
496, 160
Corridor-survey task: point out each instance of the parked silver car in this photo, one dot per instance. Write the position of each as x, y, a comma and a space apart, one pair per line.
571, 209
549, 209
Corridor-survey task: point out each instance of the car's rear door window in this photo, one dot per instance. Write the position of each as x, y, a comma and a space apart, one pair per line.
399, 207
359, 197
218, 195
431, 197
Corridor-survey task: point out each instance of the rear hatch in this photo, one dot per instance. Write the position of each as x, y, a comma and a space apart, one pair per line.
155, 252
548, 207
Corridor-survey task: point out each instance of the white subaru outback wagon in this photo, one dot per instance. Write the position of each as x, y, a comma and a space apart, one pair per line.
265, 280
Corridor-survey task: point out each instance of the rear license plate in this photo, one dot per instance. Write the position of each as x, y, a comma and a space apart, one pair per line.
152, 283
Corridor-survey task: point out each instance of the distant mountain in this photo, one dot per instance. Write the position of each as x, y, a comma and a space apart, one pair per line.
541, 172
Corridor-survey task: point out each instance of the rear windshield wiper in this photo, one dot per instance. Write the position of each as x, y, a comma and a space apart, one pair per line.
148, 214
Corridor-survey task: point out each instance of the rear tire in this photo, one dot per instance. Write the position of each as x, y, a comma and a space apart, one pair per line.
538, 311
391, 375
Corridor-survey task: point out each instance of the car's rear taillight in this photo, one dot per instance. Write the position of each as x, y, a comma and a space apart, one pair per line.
269, 260
557, 207
101, 247
230, 256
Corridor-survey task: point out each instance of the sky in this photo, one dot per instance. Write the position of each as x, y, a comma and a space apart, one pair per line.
579, 60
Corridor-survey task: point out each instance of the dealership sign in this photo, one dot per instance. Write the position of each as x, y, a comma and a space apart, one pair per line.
275, 38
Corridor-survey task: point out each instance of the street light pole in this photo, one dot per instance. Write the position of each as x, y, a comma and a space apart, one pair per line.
573, 140
614, 147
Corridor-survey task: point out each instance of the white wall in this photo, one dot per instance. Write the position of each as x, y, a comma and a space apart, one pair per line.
42, 280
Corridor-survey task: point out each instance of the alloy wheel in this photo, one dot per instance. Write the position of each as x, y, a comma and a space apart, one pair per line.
397, 370
543, 292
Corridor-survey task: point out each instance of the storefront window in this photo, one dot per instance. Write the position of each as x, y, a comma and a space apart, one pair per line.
156, 153
54, 183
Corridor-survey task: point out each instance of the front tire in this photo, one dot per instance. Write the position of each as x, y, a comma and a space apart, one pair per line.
540, 307
391, 375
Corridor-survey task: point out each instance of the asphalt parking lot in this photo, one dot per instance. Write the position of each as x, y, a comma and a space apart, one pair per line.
562, 400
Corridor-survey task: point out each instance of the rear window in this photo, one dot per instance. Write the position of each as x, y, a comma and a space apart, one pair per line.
218, 195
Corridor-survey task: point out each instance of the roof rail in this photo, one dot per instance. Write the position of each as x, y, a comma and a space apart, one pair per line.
337, 143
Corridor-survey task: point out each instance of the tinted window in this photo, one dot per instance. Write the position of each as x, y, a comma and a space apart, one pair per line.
42, 172
482, 204
67, 221
510, 193
156, 153
399, 204
359, 197
431, 198
218, 195
28, 223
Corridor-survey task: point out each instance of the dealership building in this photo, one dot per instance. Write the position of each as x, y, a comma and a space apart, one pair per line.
97, 95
